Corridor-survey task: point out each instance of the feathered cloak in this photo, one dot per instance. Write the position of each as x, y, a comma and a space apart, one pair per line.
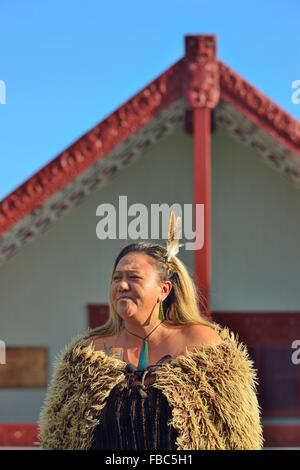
211, 391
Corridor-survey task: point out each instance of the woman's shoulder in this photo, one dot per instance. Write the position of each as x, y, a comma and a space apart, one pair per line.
191, 335
202, 335
101, 342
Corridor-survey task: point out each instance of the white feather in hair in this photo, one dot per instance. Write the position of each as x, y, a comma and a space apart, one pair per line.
174, 236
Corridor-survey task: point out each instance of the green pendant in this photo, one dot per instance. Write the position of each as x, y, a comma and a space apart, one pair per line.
161, 312
143, 359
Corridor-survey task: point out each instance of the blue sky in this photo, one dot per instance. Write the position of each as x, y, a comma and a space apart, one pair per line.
68, 64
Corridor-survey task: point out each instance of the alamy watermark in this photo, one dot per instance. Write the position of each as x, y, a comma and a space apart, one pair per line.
139, 228
2, 92
296, 354
296, 93
2, 352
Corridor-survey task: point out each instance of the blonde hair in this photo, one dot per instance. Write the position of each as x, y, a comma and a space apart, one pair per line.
181, 305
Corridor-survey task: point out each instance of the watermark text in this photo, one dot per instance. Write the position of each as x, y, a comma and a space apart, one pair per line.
139, 227
2, 352
2, 92
296, 354
296, 93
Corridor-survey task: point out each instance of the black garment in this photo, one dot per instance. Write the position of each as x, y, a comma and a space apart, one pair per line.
136, 415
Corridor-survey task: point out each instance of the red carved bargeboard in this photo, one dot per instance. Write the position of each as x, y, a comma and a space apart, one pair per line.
198, 77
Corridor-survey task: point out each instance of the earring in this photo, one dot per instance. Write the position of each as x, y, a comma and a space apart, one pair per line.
161, 312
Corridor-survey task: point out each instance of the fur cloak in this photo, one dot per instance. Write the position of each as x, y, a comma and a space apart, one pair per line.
211, 391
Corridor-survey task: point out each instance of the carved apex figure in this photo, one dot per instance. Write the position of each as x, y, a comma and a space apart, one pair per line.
201, 84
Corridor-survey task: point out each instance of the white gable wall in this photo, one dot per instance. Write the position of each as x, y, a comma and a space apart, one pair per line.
256, 232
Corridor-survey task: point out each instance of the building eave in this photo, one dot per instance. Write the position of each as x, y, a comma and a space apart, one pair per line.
96, 156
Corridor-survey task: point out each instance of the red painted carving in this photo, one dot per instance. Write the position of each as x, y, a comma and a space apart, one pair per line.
92, 146
201, 72
259, 108
199, 76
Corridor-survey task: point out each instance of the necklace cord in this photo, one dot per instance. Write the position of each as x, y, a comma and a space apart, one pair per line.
148, 334
143, 359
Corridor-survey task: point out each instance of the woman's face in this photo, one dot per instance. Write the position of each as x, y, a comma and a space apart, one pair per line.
135, 288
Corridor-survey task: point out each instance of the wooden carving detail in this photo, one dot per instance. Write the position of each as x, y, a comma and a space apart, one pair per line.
199, 76
92, 146
271, 117
201, 72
